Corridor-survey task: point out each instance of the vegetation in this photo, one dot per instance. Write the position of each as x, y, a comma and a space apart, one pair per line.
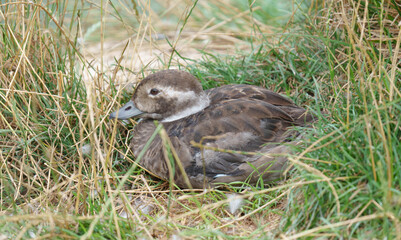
66, 171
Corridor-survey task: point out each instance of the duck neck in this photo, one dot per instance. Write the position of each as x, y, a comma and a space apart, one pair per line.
201, 103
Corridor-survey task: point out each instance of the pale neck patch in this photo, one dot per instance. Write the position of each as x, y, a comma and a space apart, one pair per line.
202, 102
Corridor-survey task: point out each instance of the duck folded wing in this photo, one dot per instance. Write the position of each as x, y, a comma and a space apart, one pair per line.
230, 128
264, 120
240, 91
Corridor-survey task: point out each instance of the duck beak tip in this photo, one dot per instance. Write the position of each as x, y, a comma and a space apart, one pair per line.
125, 112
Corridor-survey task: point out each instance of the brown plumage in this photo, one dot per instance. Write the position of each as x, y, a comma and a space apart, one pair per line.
234, 117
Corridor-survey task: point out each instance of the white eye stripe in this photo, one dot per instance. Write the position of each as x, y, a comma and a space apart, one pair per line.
180, 95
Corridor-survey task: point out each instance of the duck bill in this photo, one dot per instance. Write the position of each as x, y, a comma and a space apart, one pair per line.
127, 111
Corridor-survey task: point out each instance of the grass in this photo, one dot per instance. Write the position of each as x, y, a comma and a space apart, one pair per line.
66, 172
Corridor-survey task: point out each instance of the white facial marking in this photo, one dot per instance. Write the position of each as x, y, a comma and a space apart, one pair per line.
183, 96
173, 93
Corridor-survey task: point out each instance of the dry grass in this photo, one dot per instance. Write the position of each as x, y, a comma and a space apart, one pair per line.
66, 171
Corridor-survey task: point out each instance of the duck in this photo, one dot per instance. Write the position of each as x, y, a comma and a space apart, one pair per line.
224, 135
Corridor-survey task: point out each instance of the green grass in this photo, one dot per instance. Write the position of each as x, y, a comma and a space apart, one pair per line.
55, 101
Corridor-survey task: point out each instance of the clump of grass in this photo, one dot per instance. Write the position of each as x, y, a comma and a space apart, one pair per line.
359, 153
38, 90
66, 171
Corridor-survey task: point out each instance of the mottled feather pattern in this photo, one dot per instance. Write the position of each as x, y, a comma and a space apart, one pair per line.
238, 91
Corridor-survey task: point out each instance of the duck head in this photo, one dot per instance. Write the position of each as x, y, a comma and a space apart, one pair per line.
167, 96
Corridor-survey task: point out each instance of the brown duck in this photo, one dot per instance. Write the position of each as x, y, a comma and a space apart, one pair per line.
232, 117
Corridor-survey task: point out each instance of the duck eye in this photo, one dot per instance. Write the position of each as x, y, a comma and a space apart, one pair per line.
154, 91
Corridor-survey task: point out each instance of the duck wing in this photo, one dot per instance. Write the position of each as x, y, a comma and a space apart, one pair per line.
237, 91
239, 124
241, 91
